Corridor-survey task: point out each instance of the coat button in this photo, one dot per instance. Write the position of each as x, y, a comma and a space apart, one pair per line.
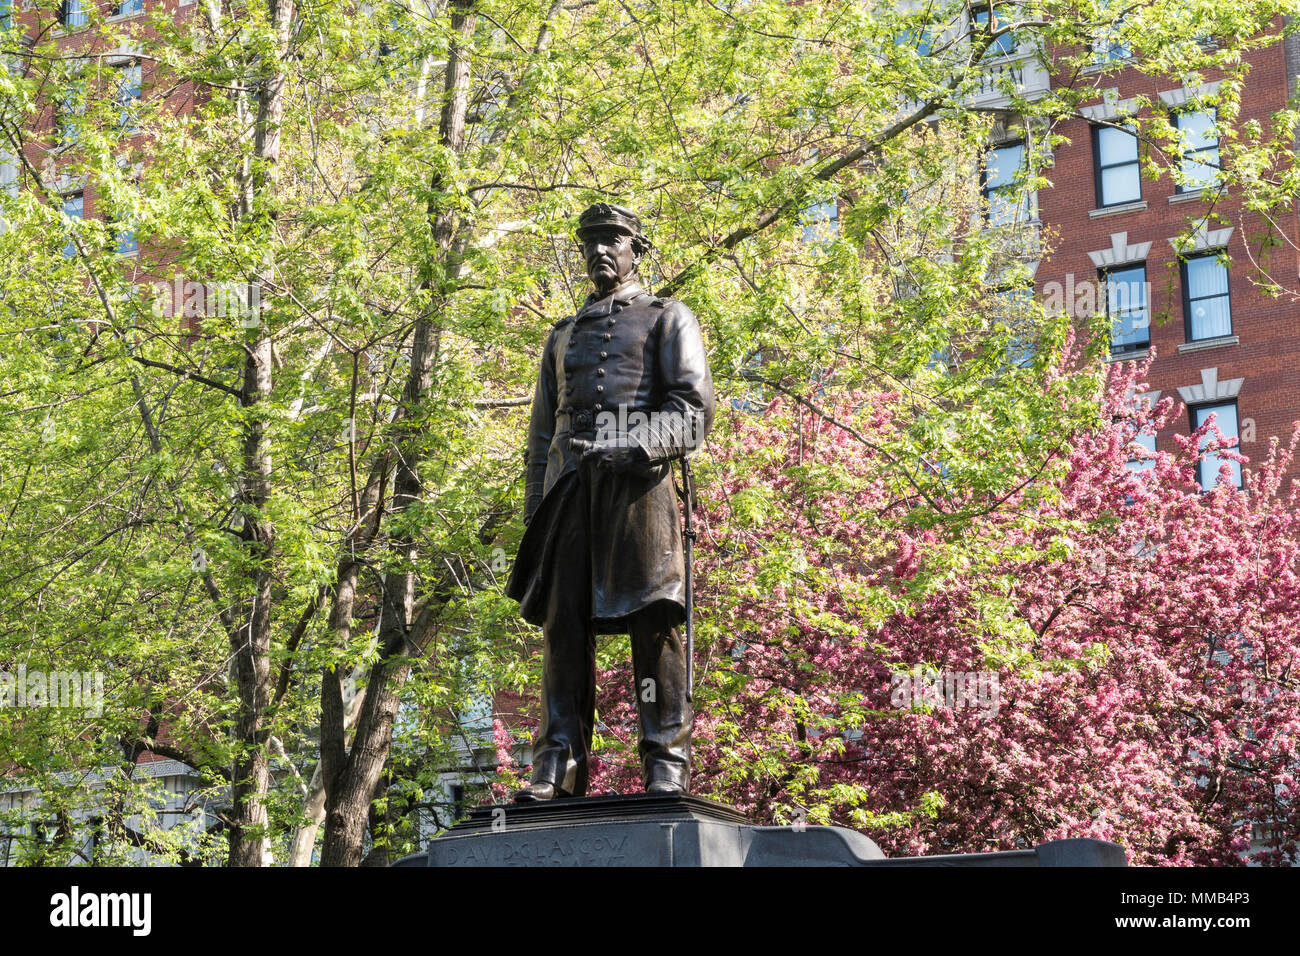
599, 388
611, 321
598, 407
569, 390
607, 336
568, 374
600, 373
604, 355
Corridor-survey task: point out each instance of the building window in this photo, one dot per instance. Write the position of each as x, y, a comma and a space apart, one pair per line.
1207, 306
1115, 165
1225, 419
821, 222
1004, 45
917, 39
8, 183
8, 174
73, 13
941, 360
1109, 43
129, 91
1016, 317
124, 243
1003, 185
1200, 162
128, 7
74, 207
1142, 451
1127, 308
69, 112
6, 14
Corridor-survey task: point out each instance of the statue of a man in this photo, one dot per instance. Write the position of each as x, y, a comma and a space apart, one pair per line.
624, 388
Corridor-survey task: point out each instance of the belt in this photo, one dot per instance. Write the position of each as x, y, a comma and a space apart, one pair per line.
575, 420
580, 421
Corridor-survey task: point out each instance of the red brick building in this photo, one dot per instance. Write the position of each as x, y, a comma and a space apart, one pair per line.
1220, 343
102, 62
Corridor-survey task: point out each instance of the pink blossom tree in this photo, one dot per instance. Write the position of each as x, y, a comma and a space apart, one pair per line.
1109, 652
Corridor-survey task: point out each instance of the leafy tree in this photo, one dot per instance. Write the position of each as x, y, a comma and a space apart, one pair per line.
273, 505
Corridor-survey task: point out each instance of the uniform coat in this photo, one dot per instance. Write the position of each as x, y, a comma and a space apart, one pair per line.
620, 355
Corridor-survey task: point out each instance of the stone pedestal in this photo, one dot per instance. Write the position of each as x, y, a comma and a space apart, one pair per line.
668, 830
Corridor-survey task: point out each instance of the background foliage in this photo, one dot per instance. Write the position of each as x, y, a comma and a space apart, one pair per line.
170, 483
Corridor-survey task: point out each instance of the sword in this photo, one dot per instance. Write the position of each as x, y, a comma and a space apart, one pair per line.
688, 536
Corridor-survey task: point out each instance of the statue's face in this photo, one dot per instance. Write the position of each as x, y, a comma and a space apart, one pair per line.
611, 259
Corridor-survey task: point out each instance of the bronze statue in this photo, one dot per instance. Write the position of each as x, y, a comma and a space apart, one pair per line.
624, 389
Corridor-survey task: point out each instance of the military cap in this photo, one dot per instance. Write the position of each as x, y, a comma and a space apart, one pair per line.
603, 215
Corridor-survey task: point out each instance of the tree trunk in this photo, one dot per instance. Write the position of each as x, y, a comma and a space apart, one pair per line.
350, 783
251, 643
303, 842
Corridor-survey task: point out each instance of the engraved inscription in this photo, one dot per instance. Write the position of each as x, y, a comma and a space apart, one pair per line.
536, 850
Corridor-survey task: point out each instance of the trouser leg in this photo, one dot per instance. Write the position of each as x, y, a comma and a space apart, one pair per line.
562, 746
659, 663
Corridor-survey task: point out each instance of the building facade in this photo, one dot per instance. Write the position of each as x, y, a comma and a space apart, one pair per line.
1187, 274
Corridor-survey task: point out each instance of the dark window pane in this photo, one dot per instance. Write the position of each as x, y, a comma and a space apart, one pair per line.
1004, 45
1126, 304
1225, 419
1117, 146
1120, 184
1209, 309
1118, 178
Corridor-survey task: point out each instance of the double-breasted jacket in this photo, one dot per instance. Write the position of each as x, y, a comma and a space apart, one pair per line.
627, 368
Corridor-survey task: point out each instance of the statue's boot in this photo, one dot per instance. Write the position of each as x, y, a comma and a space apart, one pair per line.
538, 791
666, 717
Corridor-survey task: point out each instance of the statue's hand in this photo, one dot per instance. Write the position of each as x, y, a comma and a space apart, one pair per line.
616, 456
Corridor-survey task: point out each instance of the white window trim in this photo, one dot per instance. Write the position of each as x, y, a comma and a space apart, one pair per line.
1176, 99
1202, 239
1110, 108
1211, 389
1120, 253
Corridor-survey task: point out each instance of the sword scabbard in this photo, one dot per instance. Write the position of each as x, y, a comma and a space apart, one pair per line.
688, 535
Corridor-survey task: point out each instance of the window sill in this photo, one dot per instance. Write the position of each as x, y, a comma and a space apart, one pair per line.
1188, 196
1097, 67
1214, 343
67, 185
1118, 209
118, 17
1034, 223
1014, 55
1129, 356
